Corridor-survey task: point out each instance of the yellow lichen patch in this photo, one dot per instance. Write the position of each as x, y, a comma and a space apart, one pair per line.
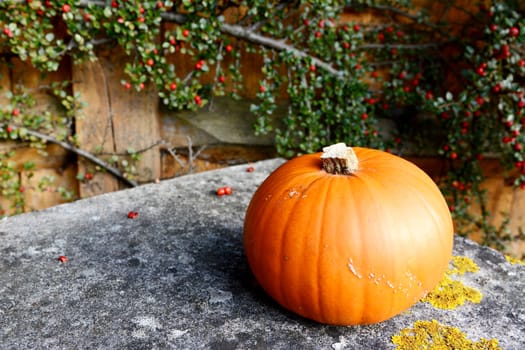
461, 265
451, 293
514, 260
431, 335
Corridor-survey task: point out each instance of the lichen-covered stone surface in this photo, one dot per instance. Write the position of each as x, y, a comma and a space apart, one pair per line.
175, 277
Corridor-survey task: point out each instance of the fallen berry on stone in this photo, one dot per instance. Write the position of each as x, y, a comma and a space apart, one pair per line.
62, 258
133, 215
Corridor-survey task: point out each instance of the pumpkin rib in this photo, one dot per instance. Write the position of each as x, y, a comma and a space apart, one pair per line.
367, 191
326, 182
284, 297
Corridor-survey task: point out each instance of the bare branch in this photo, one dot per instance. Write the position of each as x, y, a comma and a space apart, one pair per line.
279, 45
85, 154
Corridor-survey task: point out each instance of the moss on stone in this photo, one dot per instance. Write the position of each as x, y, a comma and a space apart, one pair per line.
451, 293
431, 335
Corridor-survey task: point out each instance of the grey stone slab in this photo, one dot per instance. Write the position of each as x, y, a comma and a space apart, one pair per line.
176, 278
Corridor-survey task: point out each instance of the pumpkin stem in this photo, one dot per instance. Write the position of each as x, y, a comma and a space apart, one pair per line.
339, 159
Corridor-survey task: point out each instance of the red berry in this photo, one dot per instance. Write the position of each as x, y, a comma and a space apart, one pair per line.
313, 68
173, 86
114, 4
197, 99
390, 30
8, 32
518, 147
160, 4
66, 8
262, 88
127, 85
9, 129
493, 27
356, 27
250, 169
521, 63
222, 79
88, 176
453, 155
514, 31
185, 33
380, 36
429, 95
227, 190
480, 100
521, 103
402, 75
133, 215
229, 48
318, 34
150, 62
496, 88
364, 116
221, 191
15, 112
480, 71
62, 258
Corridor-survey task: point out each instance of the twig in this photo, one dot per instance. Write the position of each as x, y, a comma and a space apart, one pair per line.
191, 156
279, 45
85, 154
127, 153
166, 147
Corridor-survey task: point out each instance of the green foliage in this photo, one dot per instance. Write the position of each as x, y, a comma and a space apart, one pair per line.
341, 79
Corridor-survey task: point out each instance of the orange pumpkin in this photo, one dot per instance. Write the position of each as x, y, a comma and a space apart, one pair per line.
350, 236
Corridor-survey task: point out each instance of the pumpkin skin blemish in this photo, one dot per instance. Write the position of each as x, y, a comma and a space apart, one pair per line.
432, 335
451, 293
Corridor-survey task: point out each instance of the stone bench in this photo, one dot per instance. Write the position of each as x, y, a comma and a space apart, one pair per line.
175, 277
